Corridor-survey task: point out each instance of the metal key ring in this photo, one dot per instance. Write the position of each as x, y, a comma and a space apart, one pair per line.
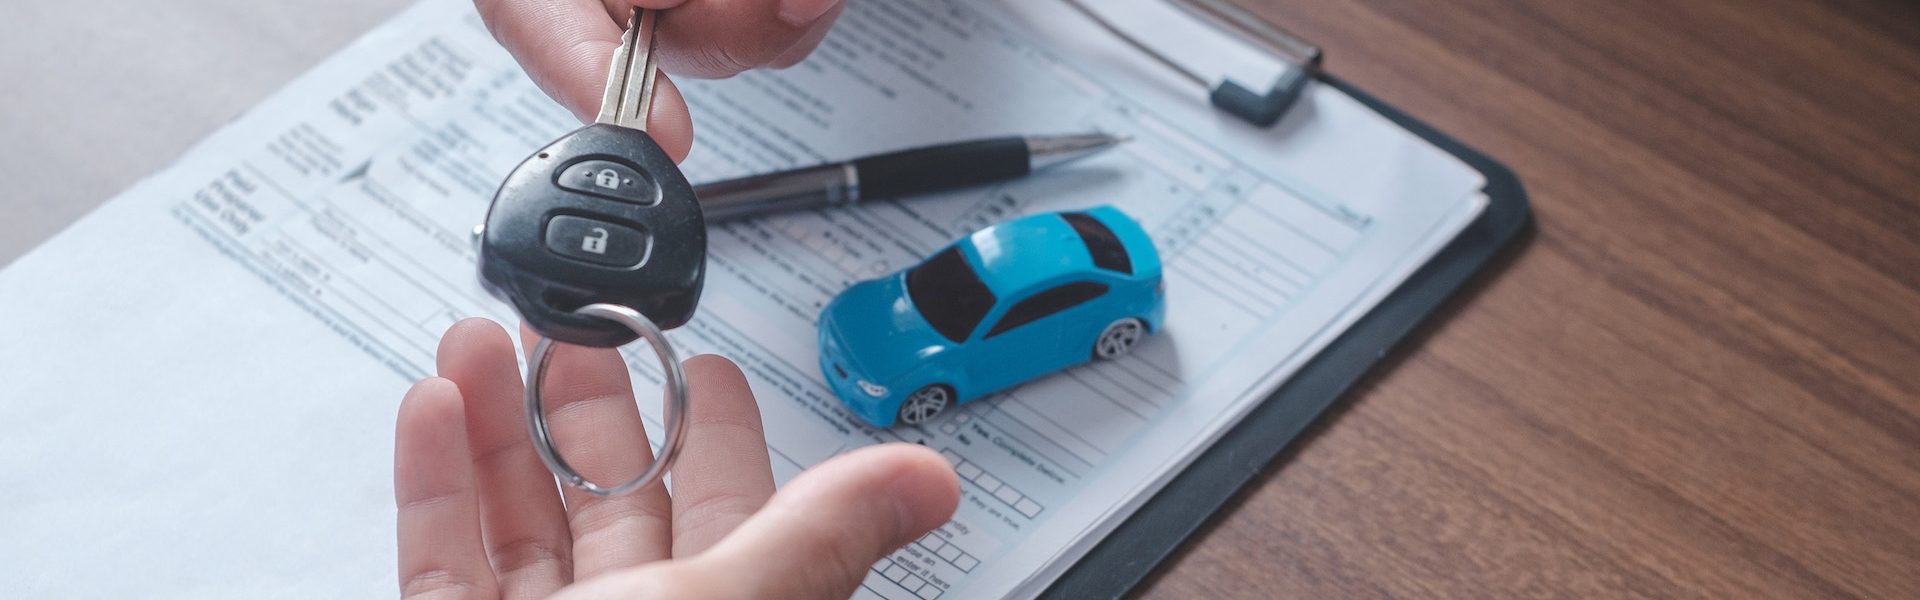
676, 409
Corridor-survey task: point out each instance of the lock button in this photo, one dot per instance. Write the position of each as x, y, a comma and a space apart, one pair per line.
597, 242
610, 180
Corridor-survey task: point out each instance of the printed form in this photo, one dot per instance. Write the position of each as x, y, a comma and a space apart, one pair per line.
263, 301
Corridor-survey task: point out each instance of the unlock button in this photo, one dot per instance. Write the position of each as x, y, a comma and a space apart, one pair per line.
597, 242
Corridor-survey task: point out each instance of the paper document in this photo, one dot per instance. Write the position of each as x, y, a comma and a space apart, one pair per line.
201, 377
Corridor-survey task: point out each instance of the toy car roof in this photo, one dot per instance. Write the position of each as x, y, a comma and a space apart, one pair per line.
1014, 256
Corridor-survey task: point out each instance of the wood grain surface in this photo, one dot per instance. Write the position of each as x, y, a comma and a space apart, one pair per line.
1702, 376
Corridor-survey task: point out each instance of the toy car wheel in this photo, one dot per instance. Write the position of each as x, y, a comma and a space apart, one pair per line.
1118, 338
925, 403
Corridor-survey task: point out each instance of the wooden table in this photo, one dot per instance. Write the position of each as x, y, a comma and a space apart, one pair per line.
1701, 378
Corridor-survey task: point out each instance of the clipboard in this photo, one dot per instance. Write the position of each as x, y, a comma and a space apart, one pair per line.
1131, 552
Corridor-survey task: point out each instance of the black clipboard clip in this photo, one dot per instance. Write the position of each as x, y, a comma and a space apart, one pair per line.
1262, 107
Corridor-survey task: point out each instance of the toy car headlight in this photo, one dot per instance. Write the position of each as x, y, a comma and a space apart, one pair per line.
871, 388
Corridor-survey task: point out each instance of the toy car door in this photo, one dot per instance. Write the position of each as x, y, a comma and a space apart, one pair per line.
1031, 338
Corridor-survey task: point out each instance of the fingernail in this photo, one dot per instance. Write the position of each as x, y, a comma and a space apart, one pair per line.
799, 13
924, 496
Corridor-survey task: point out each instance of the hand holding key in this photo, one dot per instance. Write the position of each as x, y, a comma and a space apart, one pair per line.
597, 240
565, 45
479, 516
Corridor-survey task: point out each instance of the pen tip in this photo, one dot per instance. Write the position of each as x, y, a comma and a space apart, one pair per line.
1047, 151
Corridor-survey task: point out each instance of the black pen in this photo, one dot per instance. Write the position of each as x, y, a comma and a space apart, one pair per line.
894, 174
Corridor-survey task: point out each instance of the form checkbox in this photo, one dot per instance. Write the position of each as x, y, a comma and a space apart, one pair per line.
987, 482
1027, 507
967, 471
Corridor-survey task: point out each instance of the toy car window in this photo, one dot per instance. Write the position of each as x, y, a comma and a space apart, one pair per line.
1048, 303
949, 294
1105, 247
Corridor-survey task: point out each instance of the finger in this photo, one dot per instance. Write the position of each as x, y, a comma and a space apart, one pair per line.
521, 517
566, 47
438, 515
721, 38
668, 121
597, 428
723, 474
799, 51
817, 537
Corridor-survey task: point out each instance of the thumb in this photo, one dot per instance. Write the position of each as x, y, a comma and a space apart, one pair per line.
817, 537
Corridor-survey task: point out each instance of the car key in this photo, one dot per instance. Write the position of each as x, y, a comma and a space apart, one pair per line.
601, 215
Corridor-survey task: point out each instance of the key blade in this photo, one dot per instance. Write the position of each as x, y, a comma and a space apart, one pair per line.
631, 78
640, 96
617, 74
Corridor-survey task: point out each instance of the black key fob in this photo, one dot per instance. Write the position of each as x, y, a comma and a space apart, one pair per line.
602, 215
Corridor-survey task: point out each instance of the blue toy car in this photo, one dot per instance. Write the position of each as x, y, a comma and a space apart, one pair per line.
1007, 304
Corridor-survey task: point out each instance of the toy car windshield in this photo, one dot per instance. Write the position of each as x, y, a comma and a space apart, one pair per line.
949, 294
